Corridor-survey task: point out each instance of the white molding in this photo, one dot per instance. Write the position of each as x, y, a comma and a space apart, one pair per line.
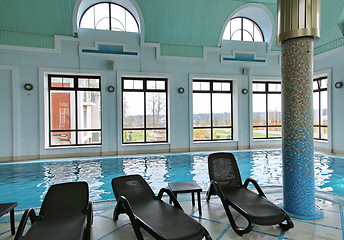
15, 109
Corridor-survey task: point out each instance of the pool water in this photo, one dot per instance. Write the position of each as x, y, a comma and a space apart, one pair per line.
28, 182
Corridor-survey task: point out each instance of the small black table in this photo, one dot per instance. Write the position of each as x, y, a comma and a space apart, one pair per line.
9, 207
187, 187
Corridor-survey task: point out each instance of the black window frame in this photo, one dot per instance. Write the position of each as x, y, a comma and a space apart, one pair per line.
319, 90
266, 92
211, 127
242, 29
145, 90
76, 89
109, 15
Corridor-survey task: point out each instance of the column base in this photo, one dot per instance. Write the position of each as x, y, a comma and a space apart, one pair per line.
318, 214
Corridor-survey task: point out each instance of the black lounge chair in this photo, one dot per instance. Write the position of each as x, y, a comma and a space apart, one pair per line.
66, 214
162, 220
256, 208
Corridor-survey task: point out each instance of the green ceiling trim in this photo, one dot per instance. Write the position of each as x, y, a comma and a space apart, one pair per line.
27, 39
181, 51
329, 46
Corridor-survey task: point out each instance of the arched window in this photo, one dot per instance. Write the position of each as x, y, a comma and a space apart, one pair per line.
109, 16
243, 29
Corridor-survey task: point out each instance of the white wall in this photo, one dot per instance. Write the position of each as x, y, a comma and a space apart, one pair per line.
22, 117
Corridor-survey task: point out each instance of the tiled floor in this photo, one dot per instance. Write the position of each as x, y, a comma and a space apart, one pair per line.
216, 222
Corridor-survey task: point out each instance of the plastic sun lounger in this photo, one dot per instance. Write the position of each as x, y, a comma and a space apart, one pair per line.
66, 214
162, 220
255, 207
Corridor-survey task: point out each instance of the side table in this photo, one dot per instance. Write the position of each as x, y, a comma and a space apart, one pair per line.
9, 207
187, 187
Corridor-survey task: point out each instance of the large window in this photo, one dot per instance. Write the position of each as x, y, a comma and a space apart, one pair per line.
320, 108
267, 112
75, 110
212, 110
109, 16
243, 29
144, 110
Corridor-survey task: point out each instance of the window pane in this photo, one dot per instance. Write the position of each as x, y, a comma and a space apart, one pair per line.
316, 110
201, 110
259, 132
89, 137
316, 133
259, 109
133, 136
315, 85
201, 134
221, 86
133, 110
323, 105
101, 16
258, 87
324, 134
133, 84
117, 18
236, 35
221, 109
89, 110
156, 85
247, 36
222, 133
88, 83
235, 25
155, 110
87, 20
131, 24
62, 107
156, 136
274, 87
274, 109
258, 37
62, 138
275, 132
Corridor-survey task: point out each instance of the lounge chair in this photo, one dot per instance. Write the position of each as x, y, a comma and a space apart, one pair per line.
226, 183
162, 220
66, 214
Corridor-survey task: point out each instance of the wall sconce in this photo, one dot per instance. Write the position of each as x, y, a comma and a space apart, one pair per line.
28, 86
181, 90
338, 84
111, 88
244, 91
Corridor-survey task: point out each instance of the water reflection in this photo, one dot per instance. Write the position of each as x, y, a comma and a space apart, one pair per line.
27, 183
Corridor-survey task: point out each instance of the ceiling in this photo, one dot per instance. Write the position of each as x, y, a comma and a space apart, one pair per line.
196, 23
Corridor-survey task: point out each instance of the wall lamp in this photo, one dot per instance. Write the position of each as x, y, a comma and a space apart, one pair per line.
111, 88
28, 86
338, 84
181, 90
244, 91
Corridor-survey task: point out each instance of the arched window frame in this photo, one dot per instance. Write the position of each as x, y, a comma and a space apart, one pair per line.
242, 29
110, 18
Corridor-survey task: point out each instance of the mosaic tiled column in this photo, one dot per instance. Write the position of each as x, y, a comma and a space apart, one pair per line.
297, 118
299, 25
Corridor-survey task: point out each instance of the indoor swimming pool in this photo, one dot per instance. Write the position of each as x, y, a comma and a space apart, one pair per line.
27, 182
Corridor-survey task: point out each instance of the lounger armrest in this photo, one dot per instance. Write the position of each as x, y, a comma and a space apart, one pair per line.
90, 213
218, 190
255, 184
172, 197
29, 213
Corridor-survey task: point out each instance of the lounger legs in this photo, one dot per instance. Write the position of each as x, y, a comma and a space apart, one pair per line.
288, 225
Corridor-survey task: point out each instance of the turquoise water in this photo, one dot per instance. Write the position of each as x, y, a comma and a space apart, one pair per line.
27, 182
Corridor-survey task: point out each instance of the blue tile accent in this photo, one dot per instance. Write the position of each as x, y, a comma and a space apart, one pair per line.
109, 49
247, 57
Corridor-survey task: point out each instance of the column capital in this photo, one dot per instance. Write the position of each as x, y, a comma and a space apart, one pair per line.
298, 18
